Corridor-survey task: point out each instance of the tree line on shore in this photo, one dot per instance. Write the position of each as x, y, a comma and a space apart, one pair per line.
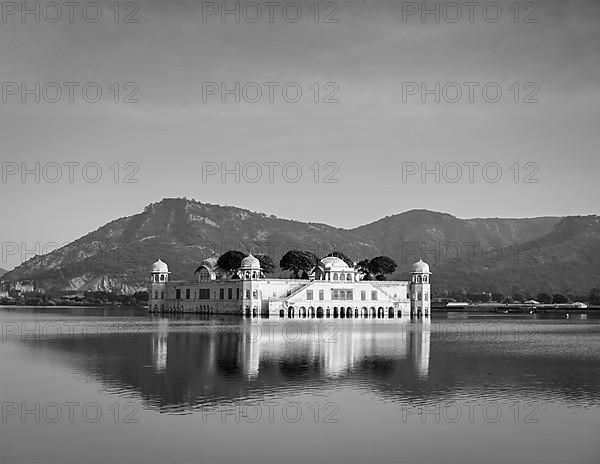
592, 298
55, 297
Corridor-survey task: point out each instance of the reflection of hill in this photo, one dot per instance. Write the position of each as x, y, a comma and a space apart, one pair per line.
176, 370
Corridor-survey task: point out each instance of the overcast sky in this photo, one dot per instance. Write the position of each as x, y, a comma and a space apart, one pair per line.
374, 137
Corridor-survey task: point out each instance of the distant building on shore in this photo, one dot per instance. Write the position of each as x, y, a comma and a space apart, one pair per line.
333, 289
18, 287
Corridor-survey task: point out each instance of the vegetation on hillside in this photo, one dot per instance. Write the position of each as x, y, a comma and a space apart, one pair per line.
550, 255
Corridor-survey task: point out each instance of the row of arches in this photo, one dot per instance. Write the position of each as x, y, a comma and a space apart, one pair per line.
251, 275
302, 312
349, 277
156, 278
341, 312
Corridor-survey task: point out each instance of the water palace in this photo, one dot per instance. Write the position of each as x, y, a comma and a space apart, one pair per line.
333, 289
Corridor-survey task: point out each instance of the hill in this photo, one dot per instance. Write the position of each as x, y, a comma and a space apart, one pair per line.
551, 254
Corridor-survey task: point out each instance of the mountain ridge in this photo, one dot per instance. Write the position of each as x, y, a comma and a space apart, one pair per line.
562, 255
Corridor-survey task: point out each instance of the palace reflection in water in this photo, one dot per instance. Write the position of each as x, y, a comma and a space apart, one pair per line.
267, 356
177, 363
384, 377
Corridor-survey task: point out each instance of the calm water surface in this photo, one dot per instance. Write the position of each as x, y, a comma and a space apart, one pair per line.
107, 385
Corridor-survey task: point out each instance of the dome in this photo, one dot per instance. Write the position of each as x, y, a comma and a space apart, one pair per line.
208, 263
421, 267
250, 262
334, 263
160, 266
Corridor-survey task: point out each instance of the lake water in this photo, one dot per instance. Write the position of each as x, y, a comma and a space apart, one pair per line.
90, 385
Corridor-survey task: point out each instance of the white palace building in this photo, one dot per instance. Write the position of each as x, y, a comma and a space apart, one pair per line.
333, 289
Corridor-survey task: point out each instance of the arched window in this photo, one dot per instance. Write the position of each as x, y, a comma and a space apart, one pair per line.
335, 276
348, 276
203, 275
162, 277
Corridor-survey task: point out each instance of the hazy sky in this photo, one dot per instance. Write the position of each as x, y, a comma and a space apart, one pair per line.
370, 137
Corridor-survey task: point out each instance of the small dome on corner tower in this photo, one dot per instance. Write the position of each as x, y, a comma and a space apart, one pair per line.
250, 262
160, 266
421, 267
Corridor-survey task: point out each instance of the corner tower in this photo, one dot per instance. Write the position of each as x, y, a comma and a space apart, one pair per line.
159, 276
420, 290
249, 272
